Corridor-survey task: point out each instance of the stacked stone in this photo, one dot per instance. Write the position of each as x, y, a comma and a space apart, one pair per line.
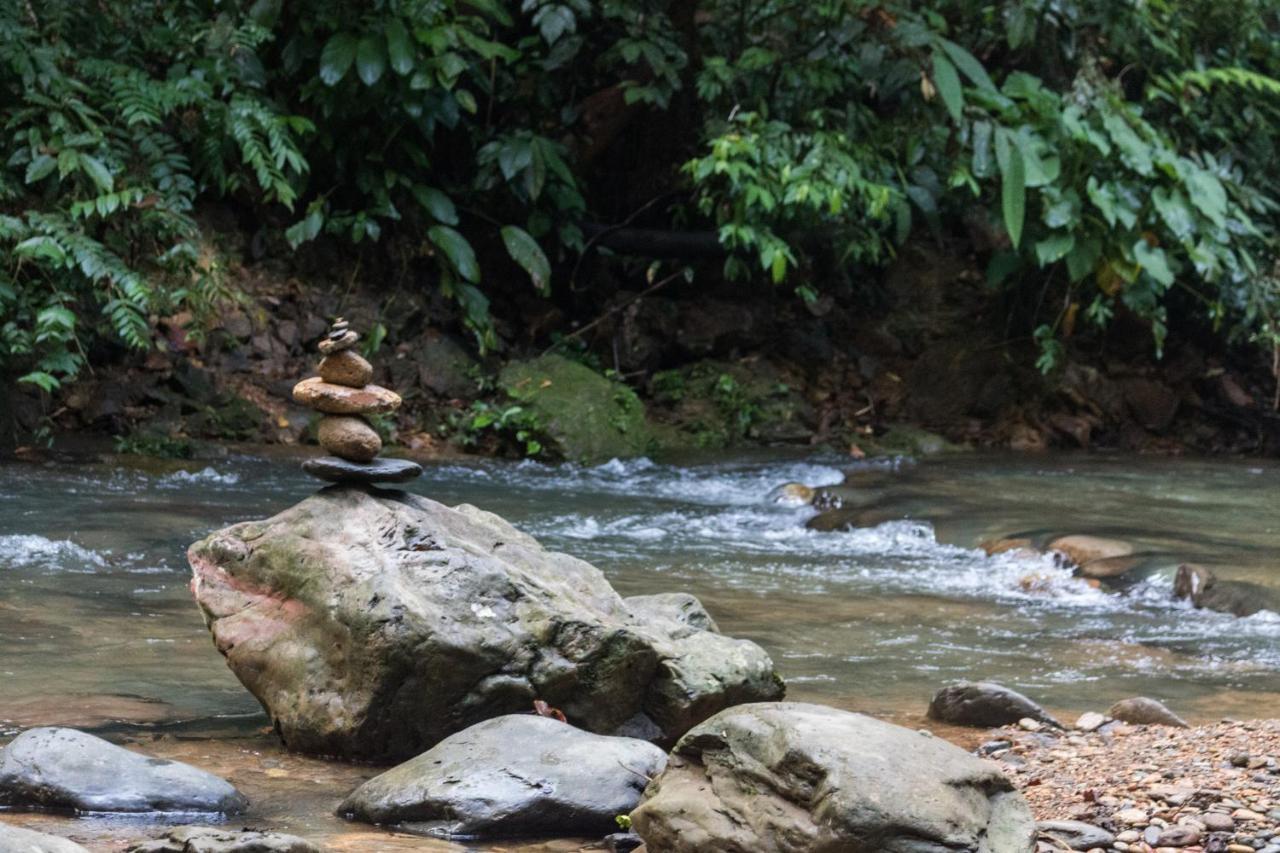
344, 393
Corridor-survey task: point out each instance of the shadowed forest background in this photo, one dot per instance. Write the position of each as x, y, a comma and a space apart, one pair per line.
697, 224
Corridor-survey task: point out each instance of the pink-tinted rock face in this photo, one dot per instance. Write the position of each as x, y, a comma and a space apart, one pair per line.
372, 624
332, 399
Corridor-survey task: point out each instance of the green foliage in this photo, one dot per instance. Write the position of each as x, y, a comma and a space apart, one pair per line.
155, 444
509, 427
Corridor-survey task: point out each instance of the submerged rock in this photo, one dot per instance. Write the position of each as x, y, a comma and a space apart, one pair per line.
986, 705
1094, 556
372, 624
1143, 711
67, 769
15, 839
208, 839
1206, 591
513, 776
797, 777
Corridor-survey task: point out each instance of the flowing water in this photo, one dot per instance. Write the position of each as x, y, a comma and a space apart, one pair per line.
97, 626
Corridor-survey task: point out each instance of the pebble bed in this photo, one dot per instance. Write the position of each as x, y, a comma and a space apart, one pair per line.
1155, 789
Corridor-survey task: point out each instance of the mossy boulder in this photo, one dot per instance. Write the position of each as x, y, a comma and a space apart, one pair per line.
585, 417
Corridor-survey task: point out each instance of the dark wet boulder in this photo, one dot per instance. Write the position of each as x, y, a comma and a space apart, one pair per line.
372, 624
56, 768
985, 705
790, 777
1144, 711
513, 776
209, 839
15, 839
1207, 591
1076, 835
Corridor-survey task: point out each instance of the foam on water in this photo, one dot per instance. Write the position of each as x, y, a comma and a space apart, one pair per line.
29, 551
207, 475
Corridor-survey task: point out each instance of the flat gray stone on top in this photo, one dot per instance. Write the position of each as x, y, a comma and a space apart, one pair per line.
57, 768
380, 470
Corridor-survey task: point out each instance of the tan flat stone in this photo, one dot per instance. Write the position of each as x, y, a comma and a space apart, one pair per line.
332, 399
346, 367
329, 346
349, 437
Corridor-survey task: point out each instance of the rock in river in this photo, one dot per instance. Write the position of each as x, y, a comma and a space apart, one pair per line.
209, 839
67, 769
789, 777
346, 367
512, 776
984, 704
15, 839
1095, 557
1143, 711
372, 624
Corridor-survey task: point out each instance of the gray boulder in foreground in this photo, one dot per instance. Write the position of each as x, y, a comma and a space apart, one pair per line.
513, 776
984, 704
790, 777
15, 839
54, 768
1144, 711
209, 839
372, 624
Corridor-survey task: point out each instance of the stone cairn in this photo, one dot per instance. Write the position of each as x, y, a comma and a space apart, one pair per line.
344, 393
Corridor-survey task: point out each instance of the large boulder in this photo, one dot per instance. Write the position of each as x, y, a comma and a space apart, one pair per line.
372, 624
55, 768
513, 776
797, 778
15, 839
984, 704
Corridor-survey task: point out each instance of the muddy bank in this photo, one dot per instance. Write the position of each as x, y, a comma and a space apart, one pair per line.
931, 361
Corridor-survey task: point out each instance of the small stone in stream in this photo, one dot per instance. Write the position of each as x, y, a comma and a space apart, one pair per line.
984, 704
1132, 817
337, 470
1143, 711
208, 839
329, 346
993, 746
332, 399
1217, 822
1178, 836
57, 768
1249, 815
15, 839
1094, 556
1075, 834
347, 368
1091, 721
622, 842
558, 780
1239, 759
349, 437
1030, 725
1151, 835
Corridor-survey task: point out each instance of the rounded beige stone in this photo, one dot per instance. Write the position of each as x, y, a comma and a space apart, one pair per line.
332, 399
346, 367
329, 346
349, 437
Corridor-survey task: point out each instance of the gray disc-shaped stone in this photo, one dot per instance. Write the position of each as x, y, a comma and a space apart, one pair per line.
337, 470
517, 775
67, 769
984, 704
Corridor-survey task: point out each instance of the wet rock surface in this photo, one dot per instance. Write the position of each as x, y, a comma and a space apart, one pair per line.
15, 839
797, 777
372, 624
208, 839
513, 776
334, 399
1143, 710
384, 470
54, 768
984, 703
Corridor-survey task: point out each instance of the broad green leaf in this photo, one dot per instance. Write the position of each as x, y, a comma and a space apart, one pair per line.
1013, 195
1173, 209
40, 167
1054, 248
97, 172
439, 205
371, 59
44, 381
968, 64
944, 74
336, 58
1153, 261
553, 21
1208, 195
983, 164
457, 249
41, 247
1083, 257
399, 47
1135, 153
526, 252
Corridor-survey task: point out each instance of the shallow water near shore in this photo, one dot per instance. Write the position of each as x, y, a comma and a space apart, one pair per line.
97, 628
